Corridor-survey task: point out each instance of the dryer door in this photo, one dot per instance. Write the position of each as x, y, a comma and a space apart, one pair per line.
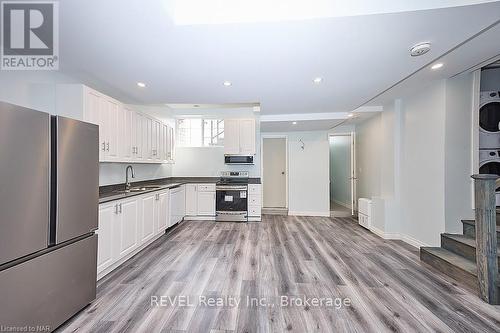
489, 117
491, 167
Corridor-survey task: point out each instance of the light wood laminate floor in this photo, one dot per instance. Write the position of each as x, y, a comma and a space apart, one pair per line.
389, 289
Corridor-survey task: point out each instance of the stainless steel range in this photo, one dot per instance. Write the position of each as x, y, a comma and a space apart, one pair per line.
232, 197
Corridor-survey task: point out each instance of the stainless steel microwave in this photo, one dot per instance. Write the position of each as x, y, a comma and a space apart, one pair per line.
238, 159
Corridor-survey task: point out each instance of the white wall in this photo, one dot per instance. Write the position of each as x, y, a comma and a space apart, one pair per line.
368, 149
419, 147
114, 173
340, 169
308, 173
422, 164
458, 146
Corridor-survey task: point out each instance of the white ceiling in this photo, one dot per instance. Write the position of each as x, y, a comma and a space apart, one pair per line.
304, 125
111, 45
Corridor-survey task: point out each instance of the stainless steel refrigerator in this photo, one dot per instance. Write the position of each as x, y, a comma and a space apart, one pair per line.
49, 193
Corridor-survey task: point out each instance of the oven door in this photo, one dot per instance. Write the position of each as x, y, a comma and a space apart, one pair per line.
231, 203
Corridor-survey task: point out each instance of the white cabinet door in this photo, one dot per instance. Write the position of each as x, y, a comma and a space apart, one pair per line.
127, 225
126, 139
147, 139
171, 144
206, 204
155, 135
148, 217
191, 200
231, 137
139, 136
163, 211
106, 253
111, 129
247, 137
92, 109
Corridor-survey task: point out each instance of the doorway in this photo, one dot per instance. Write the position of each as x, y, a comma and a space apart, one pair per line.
342, 175
275, 175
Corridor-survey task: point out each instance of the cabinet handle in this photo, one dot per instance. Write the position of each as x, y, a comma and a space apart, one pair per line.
104, 146
120, 208
107, 146
116, 209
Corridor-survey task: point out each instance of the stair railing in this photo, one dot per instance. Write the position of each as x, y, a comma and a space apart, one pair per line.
486, 236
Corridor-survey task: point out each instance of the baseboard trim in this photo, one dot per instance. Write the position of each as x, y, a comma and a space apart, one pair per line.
320, 214
199, 218
398, 236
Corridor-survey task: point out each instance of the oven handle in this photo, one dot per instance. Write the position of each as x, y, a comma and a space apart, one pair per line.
231, 188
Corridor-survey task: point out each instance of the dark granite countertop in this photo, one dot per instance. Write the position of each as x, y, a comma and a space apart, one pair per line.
109, 193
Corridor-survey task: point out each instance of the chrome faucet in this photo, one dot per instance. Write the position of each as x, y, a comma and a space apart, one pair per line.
127, 182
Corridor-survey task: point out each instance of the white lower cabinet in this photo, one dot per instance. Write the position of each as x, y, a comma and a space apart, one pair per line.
163, 213
200, 201
148, 217
254, 202
105, 246
129, 225
206, 203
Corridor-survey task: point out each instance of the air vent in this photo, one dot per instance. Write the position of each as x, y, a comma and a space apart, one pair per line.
420, 49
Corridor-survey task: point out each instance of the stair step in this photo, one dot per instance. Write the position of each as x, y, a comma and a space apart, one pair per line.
451, 264
462, 245
469, 229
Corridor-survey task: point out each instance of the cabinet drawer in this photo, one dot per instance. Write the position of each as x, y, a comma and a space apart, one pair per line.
254, 211
254, 189
206, 187
254, 200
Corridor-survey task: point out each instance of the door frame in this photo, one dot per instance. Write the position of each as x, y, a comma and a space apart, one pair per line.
354, 177
274, 136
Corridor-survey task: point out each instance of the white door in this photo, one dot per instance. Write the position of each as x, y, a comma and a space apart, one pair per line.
128, 218
206, 204
191, 200
247, 137
148, 217
274, 159
163, 213
231, 136
105, 239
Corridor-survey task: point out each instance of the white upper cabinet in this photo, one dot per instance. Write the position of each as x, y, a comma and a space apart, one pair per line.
247, 137
125, 135
239, 136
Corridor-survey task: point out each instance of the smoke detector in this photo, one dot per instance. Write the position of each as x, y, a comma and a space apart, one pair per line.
420, 49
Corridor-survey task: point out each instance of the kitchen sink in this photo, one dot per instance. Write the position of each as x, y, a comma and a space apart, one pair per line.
139, 189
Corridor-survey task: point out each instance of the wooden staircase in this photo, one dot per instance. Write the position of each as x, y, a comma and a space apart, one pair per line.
457, 255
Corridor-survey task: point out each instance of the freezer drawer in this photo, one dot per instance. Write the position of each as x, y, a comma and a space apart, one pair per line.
24, 181
49, 289
77, 178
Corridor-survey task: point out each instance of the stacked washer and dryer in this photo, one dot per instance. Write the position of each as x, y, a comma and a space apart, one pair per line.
489, 135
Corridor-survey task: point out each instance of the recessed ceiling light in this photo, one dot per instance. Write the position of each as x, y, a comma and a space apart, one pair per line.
350, 115
196, 106
318, 80
141, 84
437, 66
294, 123
227, 83
420, 49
